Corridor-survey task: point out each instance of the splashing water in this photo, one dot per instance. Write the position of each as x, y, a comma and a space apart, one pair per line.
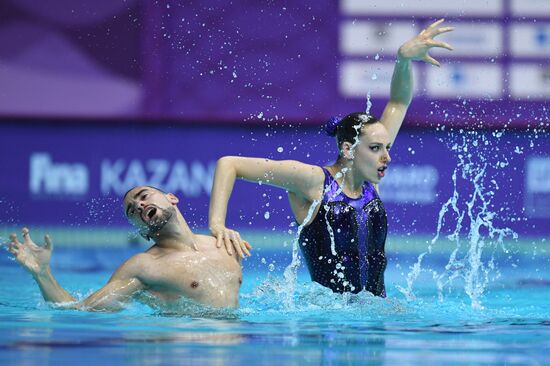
470, 210
369, 104
291, 271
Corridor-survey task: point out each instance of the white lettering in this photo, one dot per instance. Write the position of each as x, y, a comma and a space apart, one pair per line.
135, 176
47, 177
160, 169
408, 184
178, 179
192, 179
110, 176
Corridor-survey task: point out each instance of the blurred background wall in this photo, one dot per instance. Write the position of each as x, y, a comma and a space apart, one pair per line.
99, 96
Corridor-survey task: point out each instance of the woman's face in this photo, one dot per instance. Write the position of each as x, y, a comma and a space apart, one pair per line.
371, 155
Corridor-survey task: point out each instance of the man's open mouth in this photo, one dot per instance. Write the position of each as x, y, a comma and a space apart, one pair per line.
149, 213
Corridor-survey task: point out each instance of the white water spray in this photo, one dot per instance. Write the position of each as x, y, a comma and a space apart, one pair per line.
471, 203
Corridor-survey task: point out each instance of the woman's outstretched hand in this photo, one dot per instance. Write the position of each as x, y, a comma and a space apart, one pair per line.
418, 47
32, 257
231, 239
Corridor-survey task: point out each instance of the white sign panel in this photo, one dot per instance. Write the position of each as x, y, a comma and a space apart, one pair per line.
530, 81
537, 187
358, 78
472, 39
531, 39
534, 8
422, 7
465, 80
363, 38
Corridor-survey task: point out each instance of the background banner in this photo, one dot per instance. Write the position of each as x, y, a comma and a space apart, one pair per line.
76, 174
299, 62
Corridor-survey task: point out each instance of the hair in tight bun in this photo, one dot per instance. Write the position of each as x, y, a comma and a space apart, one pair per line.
331, 125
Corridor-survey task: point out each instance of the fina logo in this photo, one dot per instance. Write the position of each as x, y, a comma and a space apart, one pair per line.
49, 178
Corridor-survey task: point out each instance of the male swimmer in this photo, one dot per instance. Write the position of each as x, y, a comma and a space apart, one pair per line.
344, 221
179, 264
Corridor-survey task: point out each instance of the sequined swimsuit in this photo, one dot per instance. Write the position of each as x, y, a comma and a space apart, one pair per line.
359, 228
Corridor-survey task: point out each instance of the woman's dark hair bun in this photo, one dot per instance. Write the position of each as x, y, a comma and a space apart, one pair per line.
331, 126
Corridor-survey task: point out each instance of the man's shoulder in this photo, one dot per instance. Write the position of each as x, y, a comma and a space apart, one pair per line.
137, 261
207, 240
133, 267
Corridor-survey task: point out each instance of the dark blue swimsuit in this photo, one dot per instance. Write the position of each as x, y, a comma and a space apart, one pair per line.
359, 227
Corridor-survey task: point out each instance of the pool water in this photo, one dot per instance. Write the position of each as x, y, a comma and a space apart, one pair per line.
308, 326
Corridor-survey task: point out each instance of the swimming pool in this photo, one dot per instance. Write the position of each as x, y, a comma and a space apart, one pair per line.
313, 326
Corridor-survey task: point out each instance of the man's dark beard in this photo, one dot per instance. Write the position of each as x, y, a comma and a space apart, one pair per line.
154, 226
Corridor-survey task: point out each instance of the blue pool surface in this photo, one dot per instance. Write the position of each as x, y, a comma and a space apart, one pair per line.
275, 326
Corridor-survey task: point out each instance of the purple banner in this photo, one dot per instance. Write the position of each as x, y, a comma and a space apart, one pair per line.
264, 62
75, 175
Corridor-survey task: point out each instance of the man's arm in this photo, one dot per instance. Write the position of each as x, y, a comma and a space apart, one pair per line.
402, 79
36, 260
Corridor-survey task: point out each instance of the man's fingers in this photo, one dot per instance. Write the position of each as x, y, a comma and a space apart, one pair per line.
48, 241
27, 237
219, 240
13, 249
16, 245
247, 244
13, 238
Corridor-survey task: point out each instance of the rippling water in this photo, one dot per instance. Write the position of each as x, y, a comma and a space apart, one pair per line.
320, 328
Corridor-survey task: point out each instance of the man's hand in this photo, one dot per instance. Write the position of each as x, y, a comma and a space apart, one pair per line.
418, 47
231, 239
34, 258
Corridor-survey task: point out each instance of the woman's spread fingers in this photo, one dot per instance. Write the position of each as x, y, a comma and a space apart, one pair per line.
431, 60
442, 45
243, 247
228, 245
235, 239
444, 30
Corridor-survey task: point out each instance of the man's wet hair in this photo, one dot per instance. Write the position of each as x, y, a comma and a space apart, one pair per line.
155, 188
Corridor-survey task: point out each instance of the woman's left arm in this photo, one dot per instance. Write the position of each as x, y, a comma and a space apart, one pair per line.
402, 79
